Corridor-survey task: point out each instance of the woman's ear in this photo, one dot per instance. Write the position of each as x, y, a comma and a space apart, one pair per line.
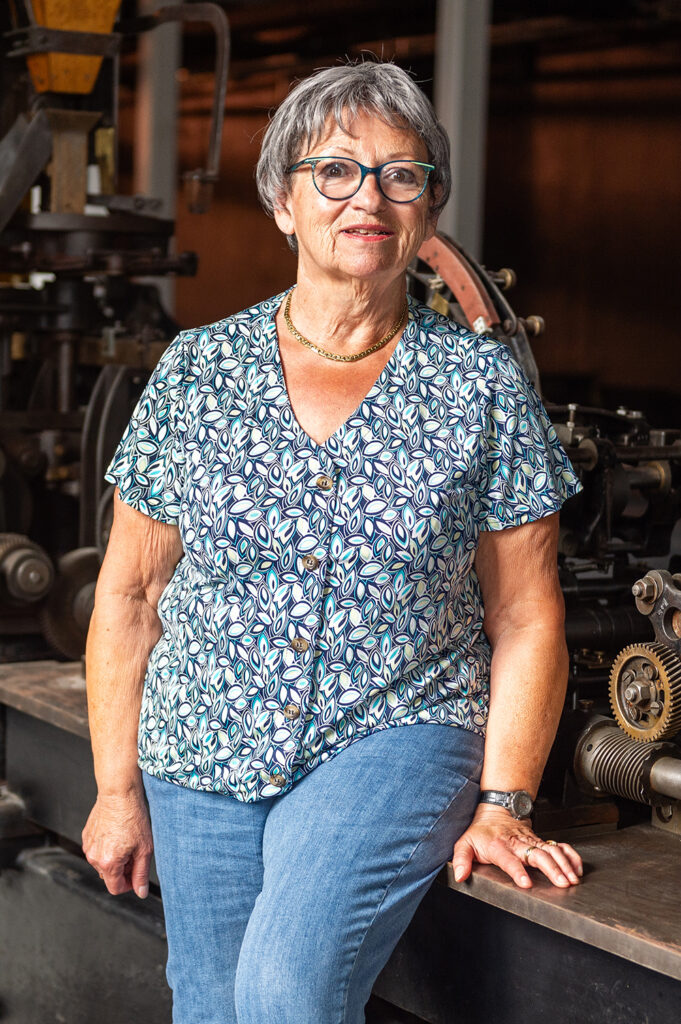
433, 215
283, 216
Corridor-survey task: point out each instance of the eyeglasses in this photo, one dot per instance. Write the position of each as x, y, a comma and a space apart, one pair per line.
339, 177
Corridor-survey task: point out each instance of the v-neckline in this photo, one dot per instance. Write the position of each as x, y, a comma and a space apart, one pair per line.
389, 368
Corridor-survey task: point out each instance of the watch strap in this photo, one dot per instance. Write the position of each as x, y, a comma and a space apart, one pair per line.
494, 796
517, 802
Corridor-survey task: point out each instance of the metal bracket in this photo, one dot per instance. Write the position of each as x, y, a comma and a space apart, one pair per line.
658, 595
33, 39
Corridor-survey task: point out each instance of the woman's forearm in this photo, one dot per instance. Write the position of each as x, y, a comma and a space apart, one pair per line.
140, 560
524, 621
527, 693
123, 631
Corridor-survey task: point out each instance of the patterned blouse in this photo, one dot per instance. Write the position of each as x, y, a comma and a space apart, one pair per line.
326, 591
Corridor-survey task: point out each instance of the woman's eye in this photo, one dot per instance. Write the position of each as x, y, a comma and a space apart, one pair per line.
400, 175
334, 169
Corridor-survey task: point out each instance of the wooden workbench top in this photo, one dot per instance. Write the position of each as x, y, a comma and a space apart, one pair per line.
53, 691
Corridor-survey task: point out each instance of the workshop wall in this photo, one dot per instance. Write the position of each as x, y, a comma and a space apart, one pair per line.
244, 258
584, 201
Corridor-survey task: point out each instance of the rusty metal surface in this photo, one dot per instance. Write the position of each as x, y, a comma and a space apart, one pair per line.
612, 907
32, 39
51, 691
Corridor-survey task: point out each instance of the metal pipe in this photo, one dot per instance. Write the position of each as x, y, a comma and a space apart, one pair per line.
646, 476
217, 19
648, 453
605, 628
665, 777
65, 370
200, 182
460, 94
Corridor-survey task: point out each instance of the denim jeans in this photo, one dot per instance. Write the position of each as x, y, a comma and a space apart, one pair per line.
287, 909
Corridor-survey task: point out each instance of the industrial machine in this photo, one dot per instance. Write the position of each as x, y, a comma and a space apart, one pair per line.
81, 326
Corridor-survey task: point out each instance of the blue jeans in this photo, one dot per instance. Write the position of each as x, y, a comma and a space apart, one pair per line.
287, 909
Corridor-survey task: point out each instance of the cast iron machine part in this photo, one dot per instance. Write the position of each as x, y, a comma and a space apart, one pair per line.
632, 484
26, 571
631, 472
633, 756
65, 615
658, 595
457, 286
609, 762
645, 681
645, 692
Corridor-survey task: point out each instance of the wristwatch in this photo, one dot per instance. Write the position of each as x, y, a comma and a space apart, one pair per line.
517, 802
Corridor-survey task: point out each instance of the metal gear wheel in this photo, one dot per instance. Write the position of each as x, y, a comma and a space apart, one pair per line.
65, 616
645, 691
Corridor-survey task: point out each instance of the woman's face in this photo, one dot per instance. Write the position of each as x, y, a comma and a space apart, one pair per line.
366, 236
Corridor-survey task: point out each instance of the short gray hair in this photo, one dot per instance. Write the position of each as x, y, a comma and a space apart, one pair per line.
342, 92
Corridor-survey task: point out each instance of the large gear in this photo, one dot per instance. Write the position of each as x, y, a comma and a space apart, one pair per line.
645, 691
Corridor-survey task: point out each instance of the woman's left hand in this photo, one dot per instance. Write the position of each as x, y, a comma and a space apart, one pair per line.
495, 837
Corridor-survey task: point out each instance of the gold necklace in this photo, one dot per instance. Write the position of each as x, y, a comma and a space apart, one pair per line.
333, 355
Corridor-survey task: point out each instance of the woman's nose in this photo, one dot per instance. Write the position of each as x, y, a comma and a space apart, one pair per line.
369, 196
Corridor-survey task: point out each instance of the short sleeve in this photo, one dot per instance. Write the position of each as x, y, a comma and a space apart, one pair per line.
148, 465
526, 473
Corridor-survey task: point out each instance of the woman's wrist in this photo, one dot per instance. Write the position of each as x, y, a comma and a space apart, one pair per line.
120, 787
493, 812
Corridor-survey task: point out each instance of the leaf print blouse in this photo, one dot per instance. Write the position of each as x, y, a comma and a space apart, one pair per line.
326, 590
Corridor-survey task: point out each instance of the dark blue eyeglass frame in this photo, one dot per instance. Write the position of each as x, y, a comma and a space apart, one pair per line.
312, 161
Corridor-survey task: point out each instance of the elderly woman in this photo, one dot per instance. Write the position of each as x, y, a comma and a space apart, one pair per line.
316, 498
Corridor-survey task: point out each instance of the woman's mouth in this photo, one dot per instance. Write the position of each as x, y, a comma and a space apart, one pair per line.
368, 232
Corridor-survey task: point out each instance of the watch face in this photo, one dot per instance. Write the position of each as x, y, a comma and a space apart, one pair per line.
521, 804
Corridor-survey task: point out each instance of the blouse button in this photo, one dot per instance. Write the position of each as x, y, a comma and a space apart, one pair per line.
299, 644
277, 780
325, 483
291, 711
310, 561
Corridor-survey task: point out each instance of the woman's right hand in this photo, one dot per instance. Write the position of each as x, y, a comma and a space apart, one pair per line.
117, 842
